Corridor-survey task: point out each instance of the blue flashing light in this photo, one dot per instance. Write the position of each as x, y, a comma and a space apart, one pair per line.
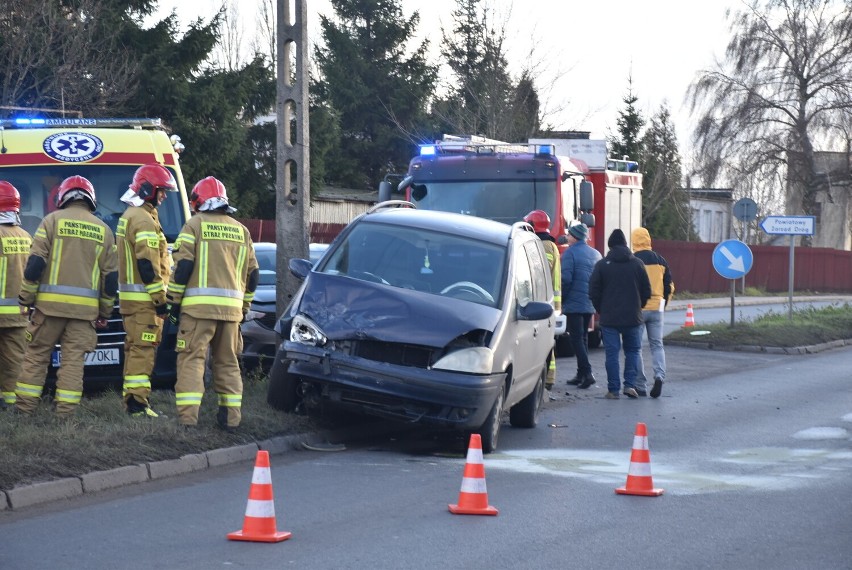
547, 149
428, 150
26, 121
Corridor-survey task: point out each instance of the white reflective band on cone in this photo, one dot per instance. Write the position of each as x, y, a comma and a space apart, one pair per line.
472, 485
261, 476
640, 442
639, 469
260, 509
474, 455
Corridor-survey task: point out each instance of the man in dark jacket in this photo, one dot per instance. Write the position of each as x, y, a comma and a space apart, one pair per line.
578, 261
619, 288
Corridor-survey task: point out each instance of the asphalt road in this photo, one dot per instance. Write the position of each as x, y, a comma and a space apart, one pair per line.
753, 451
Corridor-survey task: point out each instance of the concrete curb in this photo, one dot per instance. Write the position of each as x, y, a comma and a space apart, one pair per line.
66, 488
811, 349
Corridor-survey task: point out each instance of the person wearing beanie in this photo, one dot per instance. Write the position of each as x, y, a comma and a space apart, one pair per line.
578, 261
662, 289
618, 288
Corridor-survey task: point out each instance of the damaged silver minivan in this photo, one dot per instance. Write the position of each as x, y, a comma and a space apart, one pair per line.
421, 316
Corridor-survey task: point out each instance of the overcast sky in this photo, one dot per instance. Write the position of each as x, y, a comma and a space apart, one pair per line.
587, 50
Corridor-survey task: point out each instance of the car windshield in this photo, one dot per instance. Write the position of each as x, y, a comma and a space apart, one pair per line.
422, 260
38, 185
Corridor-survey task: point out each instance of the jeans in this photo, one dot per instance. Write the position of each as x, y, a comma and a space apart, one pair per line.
578, 331
612, 339
654, 327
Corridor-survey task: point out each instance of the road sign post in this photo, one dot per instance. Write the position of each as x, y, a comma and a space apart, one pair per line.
792, 226
732, 259
745, 210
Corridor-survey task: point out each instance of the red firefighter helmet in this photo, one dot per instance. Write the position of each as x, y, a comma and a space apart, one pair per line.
539, 220
152, 177
10, 199
76, 188
205, 189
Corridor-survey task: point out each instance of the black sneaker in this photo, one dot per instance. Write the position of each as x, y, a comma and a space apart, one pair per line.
642, 393
576, 380
587, 381
630, 393
658, 388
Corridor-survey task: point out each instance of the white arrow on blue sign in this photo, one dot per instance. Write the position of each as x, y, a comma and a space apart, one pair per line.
732, 259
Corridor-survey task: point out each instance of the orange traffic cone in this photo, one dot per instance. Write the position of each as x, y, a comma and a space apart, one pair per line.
473, 497
639, 480
690, 316
259, 522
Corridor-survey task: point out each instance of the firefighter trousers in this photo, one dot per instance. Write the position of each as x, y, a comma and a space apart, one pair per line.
12, 346
223, 339
76, 337
144, 333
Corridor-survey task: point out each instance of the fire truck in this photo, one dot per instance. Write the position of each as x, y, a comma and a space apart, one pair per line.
573, 180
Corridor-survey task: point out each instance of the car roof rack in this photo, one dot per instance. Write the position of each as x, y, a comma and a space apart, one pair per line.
391, 204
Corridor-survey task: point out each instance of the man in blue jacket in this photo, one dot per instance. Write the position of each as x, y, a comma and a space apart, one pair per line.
619, 287
578, 260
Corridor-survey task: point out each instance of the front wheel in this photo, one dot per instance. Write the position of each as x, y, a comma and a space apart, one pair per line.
281, 391
524, 414
490, 430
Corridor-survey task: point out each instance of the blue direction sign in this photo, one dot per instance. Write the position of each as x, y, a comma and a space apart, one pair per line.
732, 259
789, 225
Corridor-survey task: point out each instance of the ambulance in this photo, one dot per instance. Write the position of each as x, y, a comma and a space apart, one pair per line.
37, 154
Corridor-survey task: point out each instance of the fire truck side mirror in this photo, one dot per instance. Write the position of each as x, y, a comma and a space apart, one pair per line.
588, 219
587, 196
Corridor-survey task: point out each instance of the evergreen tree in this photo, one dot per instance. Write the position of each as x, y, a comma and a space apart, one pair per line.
630, 122
375, 85
665, 205
98, 58
482, 98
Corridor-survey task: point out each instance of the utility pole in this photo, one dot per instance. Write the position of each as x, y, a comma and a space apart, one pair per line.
292, 179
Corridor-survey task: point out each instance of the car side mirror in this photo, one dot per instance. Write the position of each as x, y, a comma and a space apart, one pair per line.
300, 268
536, 311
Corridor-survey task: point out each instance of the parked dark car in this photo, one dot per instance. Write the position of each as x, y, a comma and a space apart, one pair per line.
420, 316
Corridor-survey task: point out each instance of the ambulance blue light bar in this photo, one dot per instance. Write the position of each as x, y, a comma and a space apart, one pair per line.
31, 122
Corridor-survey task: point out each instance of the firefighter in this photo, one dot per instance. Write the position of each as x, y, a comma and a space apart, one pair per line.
70, 280
540, 222
210, 291
143, 274
14, 246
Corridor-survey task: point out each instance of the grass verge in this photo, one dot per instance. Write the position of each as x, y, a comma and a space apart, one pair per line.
807, 327
102, 436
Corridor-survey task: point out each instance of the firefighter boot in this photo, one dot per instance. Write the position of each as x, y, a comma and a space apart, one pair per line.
222, 420
137, 409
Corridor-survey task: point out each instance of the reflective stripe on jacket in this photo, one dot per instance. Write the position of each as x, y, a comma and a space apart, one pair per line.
222, 255
552, 252
140, 237
79, 252
15, 245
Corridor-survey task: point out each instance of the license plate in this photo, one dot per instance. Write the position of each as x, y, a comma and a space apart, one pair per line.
100, 357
